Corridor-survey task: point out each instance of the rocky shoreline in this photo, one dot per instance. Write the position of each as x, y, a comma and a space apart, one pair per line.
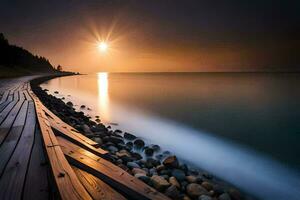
161, 170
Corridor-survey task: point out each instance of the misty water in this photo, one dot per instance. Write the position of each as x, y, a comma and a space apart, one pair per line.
241, 127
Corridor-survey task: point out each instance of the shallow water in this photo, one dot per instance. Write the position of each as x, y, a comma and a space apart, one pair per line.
242, 127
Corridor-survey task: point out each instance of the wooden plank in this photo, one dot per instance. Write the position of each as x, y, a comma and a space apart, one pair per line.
10, 141
11, 107
109, 173
67, 182
97, 188
13, 178
36, 185
9, 120
81, 141
4, 97
57, 122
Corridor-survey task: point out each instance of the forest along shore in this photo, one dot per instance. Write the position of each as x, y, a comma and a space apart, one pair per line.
163, 171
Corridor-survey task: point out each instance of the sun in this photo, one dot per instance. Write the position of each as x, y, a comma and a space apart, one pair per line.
102, 46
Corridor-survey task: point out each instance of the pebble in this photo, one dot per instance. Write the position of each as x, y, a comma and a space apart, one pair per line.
132, 165
159, 183
138, 171
139, 143
178, 174
173, 181
129, 136
172, 192
171, 161
224, 196
194, 190
208, 186
204, 197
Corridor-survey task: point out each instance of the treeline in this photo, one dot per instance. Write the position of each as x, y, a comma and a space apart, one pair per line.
19, 60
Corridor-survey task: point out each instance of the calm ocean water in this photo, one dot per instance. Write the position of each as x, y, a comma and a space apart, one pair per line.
242, 127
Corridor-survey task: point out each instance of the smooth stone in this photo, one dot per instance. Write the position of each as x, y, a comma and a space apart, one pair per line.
115, 139
171, 161
98, 140
138, 171
224, 196
235, 194
82, 106
152, 171
208, 186
178, 174
56, 92
123, 153
69, 103
173, 181
194, 190
112, 149
137, 156
143, 178
172, 192
149, 151
204, 197
191, 179
129, 136
139, 143
159, 183
132, 165
160, 167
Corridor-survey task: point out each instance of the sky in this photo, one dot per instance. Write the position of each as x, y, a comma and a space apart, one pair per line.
158, 35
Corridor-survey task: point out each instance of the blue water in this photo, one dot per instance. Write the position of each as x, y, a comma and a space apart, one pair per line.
242, 127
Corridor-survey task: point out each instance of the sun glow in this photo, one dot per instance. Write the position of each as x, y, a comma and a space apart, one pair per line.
102, 46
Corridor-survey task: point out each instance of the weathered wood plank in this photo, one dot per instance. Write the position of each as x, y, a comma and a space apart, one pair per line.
4, 97
78, 140
13, 178
67, 182
12, 106
109, 173
97, 188
57, 122
10, 140
36, 185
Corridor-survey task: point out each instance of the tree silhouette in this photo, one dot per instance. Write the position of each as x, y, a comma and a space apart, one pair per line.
16, 57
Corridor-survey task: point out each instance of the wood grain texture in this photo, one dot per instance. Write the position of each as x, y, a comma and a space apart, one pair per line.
13, 179
108, 172
67, 182
37, 184
97, 188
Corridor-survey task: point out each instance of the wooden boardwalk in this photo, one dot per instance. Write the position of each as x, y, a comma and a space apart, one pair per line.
41, 157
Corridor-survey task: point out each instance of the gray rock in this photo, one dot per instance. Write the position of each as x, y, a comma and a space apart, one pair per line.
178, 174
132, 165
224, 196
172, 192
204, 197
195, 190
171, 161
159, 183
112, 149
129, 136
139, 143
143, 178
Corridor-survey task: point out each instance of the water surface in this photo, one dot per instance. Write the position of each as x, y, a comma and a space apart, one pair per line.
243, 127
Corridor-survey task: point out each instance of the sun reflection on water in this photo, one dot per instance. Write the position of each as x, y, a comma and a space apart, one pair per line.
103, 100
